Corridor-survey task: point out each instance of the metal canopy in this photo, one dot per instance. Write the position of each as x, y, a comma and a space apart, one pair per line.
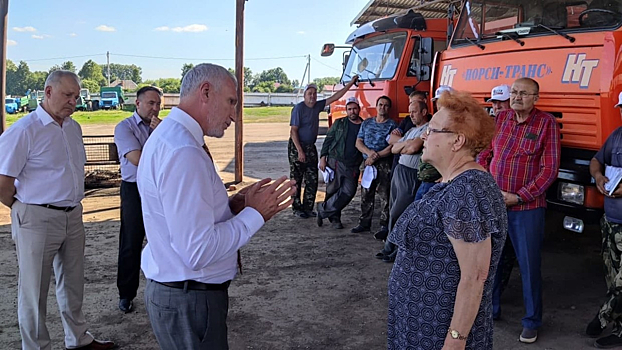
380, 8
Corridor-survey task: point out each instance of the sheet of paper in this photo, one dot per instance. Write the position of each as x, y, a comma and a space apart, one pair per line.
614, 174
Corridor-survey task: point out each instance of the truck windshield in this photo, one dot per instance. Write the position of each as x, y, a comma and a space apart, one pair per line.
482, 19
9, 100
109, 94
375, 58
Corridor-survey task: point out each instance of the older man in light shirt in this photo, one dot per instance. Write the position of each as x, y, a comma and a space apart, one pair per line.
42, 181
194, 231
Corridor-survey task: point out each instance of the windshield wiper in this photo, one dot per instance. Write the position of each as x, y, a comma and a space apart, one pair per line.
475, 43
515, 38
570, 38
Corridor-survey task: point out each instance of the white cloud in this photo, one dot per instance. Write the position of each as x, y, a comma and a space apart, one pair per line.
10, 42
73, 34
105, 28
37, 36
162, 29
193, 28
24, 29
300, 32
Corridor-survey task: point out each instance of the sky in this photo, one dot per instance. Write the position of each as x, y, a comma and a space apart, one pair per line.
160, 36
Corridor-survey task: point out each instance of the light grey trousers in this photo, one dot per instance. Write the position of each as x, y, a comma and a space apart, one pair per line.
48, 239
187, 320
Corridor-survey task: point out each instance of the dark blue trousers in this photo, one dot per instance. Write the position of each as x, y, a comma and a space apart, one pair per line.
526, 231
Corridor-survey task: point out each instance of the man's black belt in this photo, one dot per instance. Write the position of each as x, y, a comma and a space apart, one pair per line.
50, 206
194, 285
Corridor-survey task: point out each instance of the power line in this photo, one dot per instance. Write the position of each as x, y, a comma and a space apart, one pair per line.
205, 59
325, 65
62, 58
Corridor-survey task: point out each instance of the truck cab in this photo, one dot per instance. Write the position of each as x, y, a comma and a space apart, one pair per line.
84, 101
573, 50
11, 105
392, 56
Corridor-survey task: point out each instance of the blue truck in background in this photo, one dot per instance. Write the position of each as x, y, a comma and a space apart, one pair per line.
111, 97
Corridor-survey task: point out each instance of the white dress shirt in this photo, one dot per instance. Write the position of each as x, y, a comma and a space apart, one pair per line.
46, 159
130, 135
191, 232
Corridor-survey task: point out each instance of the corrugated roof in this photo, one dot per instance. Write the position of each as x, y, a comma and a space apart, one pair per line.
381, 8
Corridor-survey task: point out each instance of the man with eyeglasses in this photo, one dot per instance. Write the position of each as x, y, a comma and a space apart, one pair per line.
524, 160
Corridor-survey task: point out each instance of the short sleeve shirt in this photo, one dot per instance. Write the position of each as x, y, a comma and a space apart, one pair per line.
611, 155
412, 160
374, 135
130, 134
307, 119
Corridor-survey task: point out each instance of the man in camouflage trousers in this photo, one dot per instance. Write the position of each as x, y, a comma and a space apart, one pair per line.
302, 154
611, 229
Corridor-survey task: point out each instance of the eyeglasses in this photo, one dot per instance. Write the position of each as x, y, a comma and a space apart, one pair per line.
430, 130
521, 94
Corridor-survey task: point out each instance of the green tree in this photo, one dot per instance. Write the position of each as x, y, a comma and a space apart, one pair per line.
54, 67
37, 80
92, 71
320, 82
92, 85
248, 76
68, 65
23, 79
12, 81
186, 67
276, 75
264, 86
284, 88
124, 72
168, 85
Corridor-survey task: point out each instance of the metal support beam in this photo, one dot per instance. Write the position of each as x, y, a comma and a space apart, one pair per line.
4, 9
239, 72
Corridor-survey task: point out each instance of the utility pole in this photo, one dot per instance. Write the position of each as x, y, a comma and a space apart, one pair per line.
309, 70
239, 72
108, 63
4, 9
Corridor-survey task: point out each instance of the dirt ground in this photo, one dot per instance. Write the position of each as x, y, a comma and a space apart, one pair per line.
304, 287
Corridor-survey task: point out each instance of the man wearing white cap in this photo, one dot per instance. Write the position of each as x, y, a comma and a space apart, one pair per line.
611, 228
302, 153
500, 99
339, 152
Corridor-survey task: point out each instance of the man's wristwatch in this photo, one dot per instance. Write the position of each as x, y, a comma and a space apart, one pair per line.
455, 334
519, 200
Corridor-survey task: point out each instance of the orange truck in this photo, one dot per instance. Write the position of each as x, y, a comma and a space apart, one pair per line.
574, 51
392, 56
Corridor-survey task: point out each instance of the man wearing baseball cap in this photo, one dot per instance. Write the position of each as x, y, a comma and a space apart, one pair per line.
339, 152
302, 153
500, 99
611, 229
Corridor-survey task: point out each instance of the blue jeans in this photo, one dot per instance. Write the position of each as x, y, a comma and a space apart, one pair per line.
526, 231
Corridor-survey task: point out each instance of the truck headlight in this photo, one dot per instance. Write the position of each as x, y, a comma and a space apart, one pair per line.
572, 193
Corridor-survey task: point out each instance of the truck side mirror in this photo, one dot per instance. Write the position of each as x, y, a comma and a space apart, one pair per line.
327, 50
426, 47
424, 73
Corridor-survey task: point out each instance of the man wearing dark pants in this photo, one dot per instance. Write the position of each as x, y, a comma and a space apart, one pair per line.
404, 181
301, 150
340, 154
372, 142
130, 136
194, 230
524, 162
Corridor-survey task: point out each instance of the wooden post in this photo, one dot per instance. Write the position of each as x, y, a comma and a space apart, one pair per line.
4, 9
239, 72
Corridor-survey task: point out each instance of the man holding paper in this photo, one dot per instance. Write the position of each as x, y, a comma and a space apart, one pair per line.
608, 160
339, 153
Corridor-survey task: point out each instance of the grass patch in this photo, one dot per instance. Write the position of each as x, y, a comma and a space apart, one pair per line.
251, 115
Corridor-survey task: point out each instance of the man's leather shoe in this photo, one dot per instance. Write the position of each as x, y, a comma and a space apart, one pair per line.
126, 305
301, 214
311, 213
359, 229
382, 234
594, 328
97, 345
337, 225
609, 342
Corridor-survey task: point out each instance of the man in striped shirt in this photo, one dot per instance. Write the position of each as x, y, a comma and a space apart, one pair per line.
524, 160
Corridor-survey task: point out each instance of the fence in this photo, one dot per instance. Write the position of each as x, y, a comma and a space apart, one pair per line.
102, 162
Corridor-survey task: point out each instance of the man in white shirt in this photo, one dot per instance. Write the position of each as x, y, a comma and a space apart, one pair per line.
130, 136
42, 181
194, 231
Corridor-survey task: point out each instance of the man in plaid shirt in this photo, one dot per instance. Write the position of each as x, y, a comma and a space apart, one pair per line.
524, 160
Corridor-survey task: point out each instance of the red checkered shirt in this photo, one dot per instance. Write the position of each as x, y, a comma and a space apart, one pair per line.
524, 157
